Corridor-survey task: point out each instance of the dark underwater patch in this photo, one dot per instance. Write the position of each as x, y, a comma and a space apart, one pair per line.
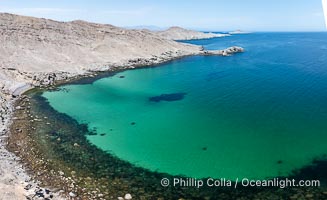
168, 97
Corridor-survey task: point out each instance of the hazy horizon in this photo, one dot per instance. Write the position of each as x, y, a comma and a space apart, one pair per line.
252, 15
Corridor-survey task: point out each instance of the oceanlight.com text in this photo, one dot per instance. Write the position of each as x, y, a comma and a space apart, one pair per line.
244, 182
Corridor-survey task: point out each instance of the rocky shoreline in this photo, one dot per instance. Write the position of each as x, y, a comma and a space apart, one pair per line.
24, 186
15, 181
79, 178
42, 53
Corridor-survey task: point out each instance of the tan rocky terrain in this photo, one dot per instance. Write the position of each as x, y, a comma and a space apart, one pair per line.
178, 33
32, 45
36, 52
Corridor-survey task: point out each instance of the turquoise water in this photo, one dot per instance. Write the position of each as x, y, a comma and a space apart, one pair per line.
259, 114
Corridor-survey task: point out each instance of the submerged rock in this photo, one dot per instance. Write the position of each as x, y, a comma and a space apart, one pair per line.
168, 97
72, 194
128, 196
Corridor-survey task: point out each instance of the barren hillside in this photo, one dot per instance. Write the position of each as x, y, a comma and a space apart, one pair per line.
31, 45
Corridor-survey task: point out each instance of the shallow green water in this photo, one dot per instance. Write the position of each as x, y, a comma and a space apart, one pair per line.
259, 114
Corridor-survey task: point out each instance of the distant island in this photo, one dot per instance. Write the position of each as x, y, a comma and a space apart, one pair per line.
178, 33
238, 32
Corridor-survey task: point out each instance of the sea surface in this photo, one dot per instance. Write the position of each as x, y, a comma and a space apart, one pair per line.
258, 114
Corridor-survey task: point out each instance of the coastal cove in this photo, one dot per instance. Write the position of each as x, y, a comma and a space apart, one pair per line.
68, 138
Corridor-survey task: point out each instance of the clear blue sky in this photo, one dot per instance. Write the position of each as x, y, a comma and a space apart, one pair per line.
214, 15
